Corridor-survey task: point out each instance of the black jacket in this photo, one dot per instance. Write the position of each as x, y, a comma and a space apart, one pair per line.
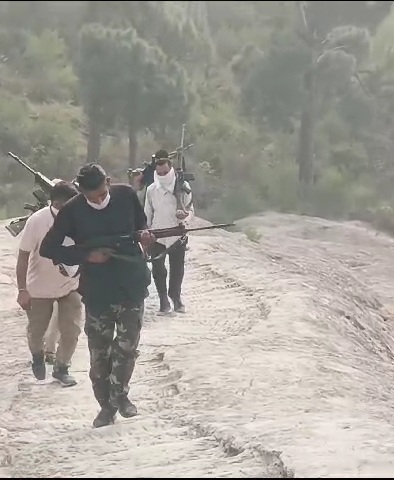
115, 281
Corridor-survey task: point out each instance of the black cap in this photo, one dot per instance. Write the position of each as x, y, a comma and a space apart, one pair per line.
161, 156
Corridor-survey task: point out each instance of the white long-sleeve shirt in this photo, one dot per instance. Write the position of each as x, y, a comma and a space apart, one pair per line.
160, 210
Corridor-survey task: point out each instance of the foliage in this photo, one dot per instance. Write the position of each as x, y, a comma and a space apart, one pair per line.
97, 67
290, 105
47, 53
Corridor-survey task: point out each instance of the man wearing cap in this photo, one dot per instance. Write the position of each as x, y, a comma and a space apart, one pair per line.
41, 285
162, 212
113, 290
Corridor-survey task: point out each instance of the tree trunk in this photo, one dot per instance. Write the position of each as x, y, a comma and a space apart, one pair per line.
305, 148
133, 145
306, 134
94, 140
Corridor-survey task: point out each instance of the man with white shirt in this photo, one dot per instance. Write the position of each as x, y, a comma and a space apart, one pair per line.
41, 284
161, 212
52, 335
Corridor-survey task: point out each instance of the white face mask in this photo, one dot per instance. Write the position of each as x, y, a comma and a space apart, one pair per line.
102, 205
166, 181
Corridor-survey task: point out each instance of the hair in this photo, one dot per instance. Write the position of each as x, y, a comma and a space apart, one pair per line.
161, 157
91, 176
62, 191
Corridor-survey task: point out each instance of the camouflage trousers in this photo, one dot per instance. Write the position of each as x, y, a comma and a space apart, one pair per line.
112, 360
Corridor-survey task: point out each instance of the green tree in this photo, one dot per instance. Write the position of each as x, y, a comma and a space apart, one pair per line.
125, 79
154, 92
305, 68
99, 68
45, 63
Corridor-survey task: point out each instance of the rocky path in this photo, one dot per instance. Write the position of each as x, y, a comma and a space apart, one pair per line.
287, 346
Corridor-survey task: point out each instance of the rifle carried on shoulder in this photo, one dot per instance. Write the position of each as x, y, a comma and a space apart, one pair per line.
41, 195
182, 175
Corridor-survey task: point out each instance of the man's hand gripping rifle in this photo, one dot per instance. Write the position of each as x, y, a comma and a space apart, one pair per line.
110, 244
41, 195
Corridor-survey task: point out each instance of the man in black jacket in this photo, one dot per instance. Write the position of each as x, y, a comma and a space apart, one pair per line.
112, 290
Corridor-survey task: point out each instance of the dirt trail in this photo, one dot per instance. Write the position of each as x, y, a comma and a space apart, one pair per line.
287, 345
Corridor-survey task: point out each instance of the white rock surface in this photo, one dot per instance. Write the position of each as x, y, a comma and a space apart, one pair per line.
287, 346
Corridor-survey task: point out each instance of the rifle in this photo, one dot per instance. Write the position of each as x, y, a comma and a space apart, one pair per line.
178, 157
180, 169
41, 195
108, 243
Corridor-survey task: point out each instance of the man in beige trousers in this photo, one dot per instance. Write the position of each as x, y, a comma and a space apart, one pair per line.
51, 338
52, 335
41, 284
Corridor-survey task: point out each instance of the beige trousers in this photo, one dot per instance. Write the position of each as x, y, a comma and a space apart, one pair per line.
69, 318
52, 335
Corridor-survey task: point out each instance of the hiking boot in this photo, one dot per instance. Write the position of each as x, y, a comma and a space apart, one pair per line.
38, 366
178, 306
126, 408
105, 417
165, 305
50, 358
61, 375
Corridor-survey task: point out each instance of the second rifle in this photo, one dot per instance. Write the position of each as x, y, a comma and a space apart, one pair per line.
41, 195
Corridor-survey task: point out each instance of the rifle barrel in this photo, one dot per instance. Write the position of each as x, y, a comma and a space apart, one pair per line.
175, 152
179, 231
211, 227
183, 136
21, 162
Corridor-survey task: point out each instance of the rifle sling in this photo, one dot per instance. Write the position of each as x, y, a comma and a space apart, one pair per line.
177, 243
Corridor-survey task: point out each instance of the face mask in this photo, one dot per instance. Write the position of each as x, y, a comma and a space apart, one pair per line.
166, 181
102, 205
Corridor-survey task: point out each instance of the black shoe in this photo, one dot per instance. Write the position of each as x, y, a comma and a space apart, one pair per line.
126, 408
105, 417
61, 375
38, 366
178, 306
165, 305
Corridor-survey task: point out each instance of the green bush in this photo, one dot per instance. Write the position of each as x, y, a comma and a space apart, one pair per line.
280, 187
252, 234
330, 196
238, 201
